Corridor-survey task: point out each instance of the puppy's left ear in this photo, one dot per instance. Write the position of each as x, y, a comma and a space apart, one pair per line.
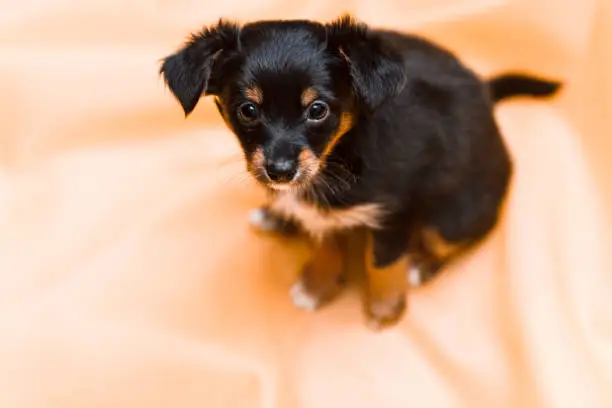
377, 69
187, 72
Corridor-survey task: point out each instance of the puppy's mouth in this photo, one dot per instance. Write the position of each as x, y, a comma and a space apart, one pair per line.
285, 175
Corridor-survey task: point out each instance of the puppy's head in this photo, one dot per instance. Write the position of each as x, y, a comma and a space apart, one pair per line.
289, 90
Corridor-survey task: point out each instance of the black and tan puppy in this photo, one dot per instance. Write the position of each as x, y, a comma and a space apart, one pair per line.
350, 127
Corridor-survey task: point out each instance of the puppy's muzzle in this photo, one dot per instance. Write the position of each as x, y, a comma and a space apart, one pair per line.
282, 170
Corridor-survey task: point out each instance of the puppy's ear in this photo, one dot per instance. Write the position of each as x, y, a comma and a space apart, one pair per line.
187, 72
376, 68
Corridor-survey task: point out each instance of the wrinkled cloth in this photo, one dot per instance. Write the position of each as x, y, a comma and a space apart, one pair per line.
130, 278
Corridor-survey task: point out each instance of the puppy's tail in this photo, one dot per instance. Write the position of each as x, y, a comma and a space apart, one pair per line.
509, 85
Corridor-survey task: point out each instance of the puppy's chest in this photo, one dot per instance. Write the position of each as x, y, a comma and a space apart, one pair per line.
318, 221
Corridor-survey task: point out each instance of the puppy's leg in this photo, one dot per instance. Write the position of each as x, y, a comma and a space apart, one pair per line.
423, 269
323, 277
386, 265
437, 252
458, 224
264, 219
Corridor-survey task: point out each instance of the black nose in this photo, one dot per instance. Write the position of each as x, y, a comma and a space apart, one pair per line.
282, 170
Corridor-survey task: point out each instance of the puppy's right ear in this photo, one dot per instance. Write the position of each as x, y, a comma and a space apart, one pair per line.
186, 72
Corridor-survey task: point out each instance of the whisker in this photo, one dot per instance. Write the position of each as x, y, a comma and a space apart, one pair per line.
344, 184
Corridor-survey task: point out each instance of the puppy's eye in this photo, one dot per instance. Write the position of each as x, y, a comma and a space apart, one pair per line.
248, 112
317, 110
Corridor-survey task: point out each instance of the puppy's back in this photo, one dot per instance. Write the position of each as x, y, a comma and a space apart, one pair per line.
439, 131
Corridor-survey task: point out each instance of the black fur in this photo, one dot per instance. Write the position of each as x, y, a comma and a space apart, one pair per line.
189, 72
510, 85
424, 143
376, 68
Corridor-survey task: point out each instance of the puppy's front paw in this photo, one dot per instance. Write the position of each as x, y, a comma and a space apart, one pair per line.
311, 292
304, 299
384, 313
263, 220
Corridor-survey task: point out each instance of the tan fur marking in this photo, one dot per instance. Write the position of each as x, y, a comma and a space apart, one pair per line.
437, 245
254, 94
309, 95
256, 164
346, 122
386, 289
320, 222
308, 163
308, 168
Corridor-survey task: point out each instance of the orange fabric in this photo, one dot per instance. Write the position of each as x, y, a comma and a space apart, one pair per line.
129, 277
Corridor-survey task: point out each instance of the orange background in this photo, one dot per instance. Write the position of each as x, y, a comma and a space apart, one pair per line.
129, 278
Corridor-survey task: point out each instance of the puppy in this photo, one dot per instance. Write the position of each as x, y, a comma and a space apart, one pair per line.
348, 128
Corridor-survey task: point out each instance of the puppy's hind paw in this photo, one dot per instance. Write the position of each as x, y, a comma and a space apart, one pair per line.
422, 273
414, 277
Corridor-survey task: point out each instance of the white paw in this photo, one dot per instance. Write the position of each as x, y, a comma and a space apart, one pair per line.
414, 277
302, 298
260, 219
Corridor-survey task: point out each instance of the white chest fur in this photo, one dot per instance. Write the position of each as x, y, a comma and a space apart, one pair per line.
318, 221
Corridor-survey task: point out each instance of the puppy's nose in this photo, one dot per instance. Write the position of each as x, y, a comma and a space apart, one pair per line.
281, 170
